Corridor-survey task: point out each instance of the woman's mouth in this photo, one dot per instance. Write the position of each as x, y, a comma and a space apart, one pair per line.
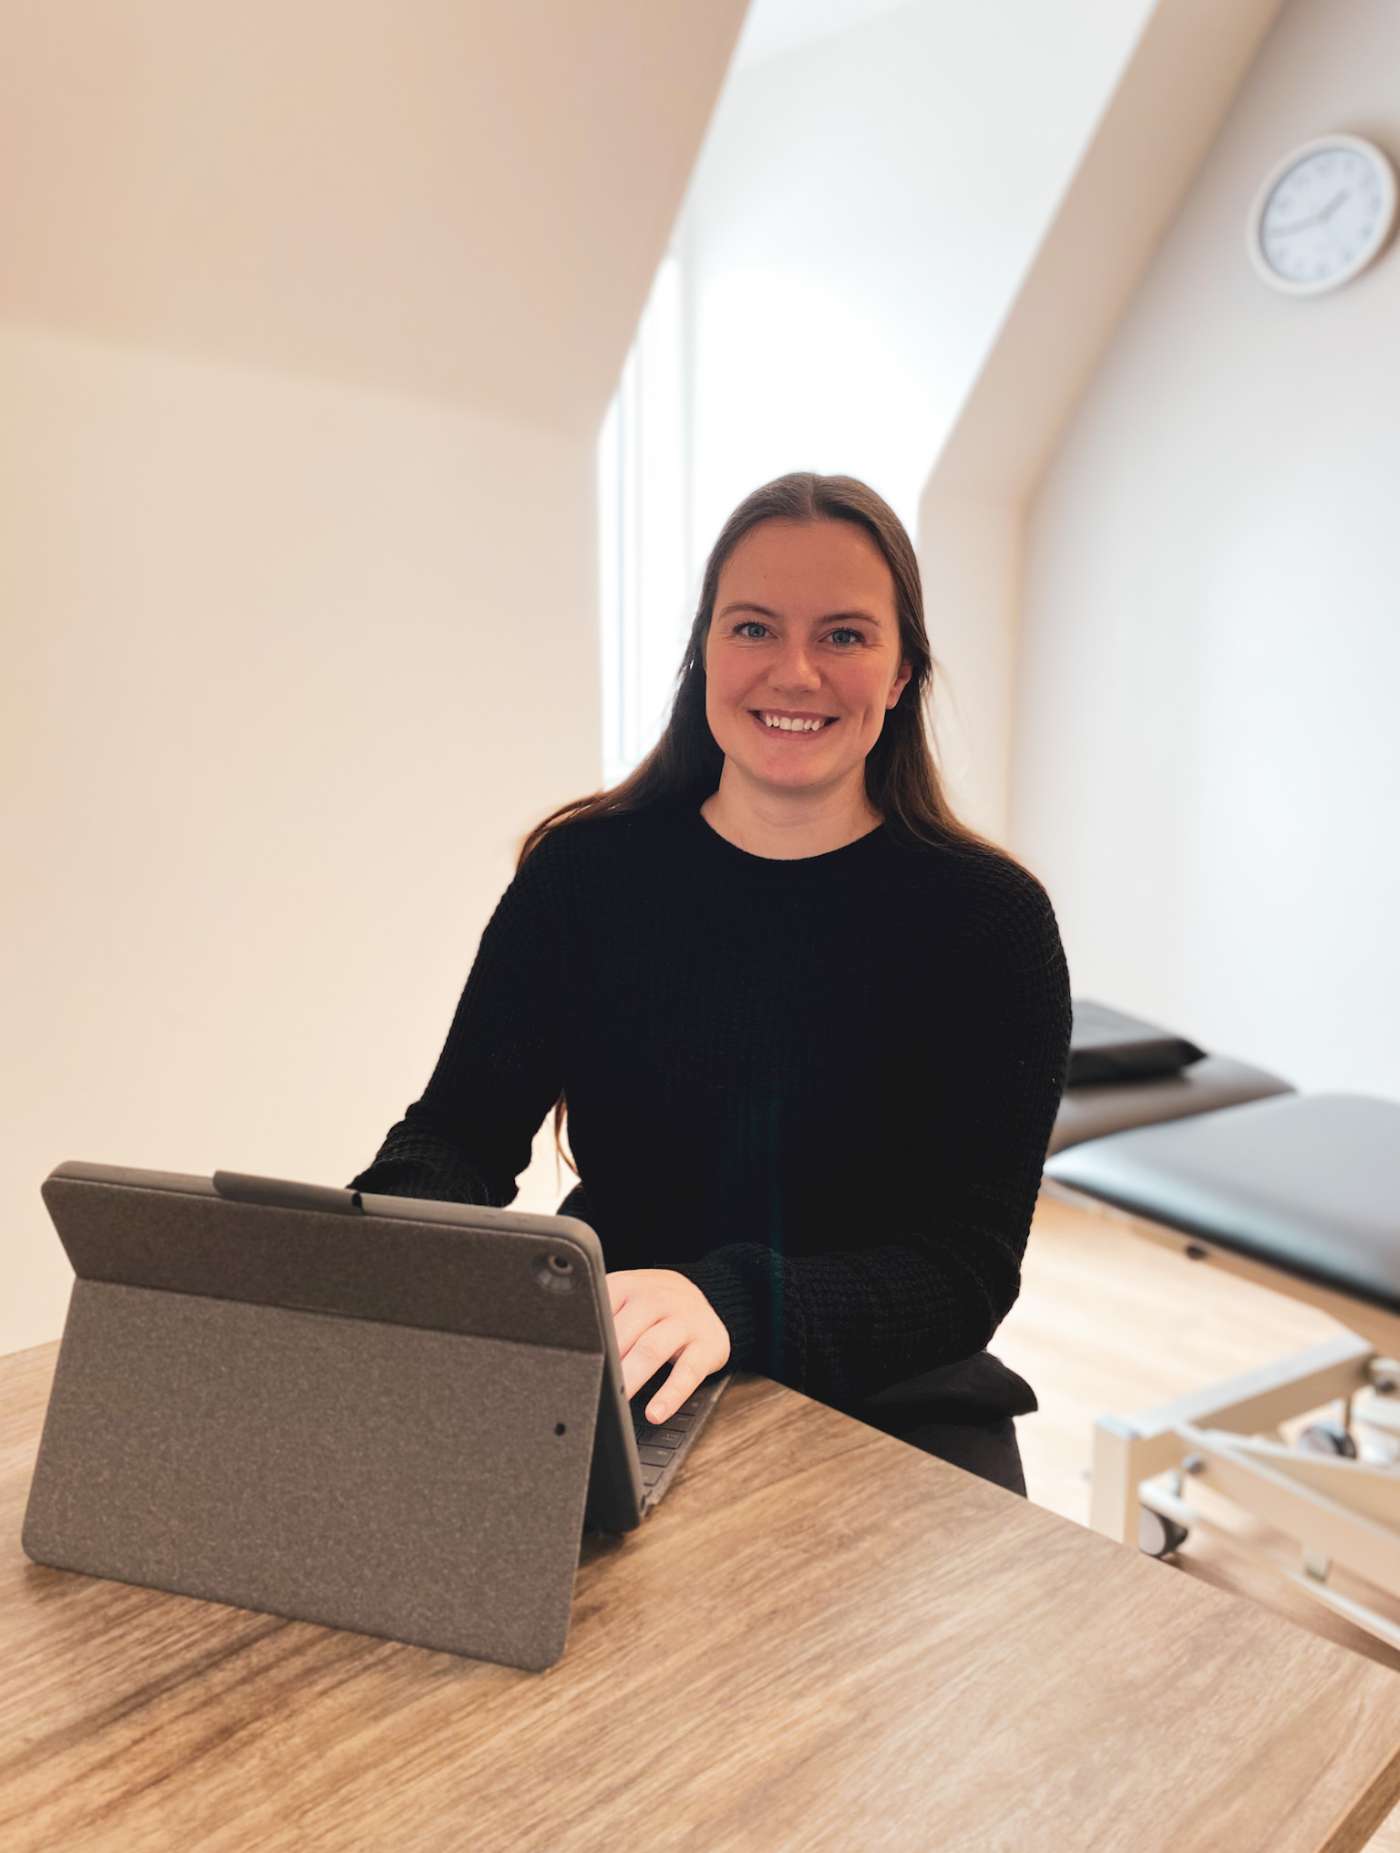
792, 733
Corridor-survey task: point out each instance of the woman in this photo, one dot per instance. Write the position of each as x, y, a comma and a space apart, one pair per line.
812, 1031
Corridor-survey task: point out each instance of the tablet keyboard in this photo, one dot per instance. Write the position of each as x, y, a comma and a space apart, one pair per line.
658, 1444
661, 1446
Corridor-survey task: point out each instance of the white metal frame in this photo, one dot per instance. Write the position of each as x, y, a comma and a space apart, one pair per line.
1228, 1437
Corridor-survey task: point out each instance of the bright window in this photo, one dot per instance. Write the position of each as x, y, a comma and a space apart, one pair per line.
644, 577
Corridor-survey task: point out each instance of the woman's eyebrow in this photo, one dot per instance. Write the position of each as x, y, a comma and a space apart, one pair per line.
763, 611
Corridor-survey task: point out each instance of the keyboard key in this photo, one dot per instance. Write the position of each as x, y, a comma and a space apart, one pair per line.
671, 1431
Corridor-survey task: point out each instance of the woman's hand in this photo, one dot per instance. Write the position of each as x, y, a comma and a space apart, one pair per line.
659, 1314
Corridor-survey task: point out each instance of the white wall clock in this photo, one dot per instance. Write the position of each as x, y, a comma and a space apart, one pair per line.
1321, 216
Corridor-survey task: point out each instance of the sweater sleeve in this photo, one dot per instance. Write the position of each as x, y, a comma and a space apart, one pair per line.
841, 1326
470, 1134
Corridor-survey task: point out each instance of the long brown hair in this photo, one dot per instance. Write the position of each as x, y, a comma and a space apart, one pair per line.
901, 773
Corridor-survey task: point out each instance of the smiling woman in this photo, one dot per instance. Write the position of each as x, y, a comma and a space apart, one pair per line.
806, 631
814, 1029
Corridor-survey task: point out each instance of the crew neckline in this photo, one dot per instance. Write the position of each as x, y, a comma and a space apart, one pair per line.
829, 864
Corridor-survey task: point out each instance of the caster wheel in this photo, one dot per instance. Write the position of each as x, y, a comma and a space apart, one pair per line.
1159, 1536
1327, 1438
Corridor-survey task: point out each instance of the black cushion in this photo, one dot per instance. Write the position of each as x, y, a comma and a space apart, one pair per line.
1092, 1110
1307, 1183
1107, 1045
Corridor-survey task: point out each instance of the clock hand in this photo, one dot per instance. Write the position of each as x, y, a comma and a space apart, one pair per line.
1284, 231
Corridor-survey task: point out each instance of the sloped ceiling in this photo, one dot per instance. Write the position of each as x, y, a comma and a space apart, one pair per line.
1139, 163
776, 26
460, 199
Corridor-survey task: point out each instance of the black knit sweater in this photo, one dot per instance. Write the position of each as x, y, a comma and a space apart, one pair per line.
822, 1089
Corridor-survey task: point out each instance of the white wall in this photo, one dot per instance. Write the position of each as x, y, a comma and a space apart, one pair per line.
288, 676
1207, 758
306, 326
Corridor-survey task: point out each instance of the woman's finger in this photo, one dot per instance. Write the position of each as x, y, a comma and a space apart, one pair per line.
683, 1379
651, 1350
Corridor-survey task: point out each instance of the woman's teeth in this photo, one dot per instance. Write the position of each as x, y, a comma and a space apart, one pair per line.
799, 727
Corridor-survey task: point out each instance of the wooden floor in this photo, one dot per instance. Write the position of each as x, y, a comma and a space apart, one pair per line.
1108, 1323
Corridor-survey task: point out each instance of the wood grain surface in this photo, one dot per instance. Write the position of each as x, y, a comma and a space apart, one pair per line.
822, 1639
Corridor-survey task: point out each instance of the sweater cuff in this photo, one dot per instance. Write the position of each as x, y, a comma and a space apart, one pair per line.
741, 1303
443, 1182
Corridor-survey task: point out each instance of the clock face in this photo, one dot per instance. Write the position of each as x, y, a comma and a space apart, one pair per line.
1322, 215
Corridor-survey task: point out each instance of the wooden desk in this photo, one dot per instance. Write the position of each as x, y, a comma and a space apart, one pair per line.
822, 1639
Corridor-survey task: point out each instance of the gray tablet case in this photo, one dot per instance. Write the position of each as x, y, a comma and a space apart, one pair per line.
375, 1413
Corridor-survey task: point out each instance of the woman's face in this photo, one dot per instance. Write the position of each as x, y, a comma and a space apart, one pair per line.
826, 642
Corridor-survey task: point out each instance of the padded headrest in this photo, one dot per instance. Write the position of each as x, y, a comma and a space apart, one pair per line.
1106, 1045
